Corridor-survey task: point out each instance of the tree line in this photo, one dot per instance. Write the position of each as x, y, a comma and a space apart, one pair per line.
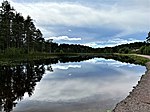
19, 35
136, 47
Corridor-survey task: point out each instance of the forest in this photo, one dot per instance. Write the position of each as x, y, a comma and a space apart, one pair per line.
19, 35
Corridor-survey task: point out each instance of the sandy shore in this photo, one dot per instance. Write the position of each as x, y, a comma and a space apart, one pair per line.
139, 99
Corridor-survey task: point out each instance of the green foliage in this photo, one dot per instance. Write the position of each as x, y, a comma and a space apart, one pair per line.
61, 51
144, 50
148, 38
17, 31
108, 111
124, 50
13, 52
129, 58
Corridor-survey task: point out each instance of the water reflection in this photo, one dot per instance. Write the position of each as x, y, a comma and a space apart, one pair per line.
16, 81
93, 85
70, 85
76, 81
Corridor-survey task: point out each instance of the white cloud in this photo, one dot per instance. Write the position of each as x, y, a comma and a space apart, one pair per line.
122, 41
63, 38
111, 42
128, 19
70, 30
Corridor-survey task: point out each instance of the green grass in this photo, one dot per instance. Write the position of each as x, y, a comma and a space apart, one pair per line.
136, 59
17, 59
108, 111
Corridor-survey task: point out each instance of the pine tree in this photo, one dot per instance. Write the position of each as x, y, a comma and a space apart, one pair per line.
30, 32
18, 31
148, 38
6, 23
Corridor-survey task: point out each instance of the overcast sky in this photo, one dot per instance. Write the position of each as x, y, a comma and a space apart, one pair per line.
96, 23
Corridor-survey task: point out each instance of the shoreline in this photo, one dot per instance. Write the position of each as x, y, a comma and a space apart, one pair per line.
128, 58
138, 99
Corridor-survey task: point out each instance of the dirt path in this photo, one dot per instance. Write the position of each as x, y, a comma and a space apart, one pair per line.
139, 99
145, 56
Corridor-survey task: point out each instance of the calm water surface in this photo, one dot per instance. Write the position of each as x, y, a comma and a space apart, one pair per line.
94, 85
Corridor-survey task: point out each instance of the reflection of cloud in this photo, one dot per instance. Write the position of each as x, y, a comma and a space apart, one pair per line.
65, 67
69, 85
95, 60
58, 87
119, 64
109, 62
75, 89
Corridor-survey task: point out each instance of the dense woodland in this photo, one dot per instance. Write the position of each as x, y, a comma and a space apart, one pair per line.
19, 35
137, 47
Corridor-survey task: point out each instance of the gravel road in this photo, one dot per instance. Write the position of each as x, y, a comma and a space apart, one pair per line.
139, 99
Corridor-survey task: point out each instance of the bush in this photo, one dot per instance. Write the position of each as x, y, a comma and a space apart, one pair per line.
124, 50
144, 50
61, 51
13, 52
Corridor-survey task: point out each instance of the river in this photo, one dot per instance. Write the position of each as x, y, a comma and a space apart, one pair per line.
90, 85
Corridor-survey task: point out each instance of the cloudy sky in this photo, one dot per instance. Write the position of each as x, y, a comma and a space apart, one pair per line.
96, 23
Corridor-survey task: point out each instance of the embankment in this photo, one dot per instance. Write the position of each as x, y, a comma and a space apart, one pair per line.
139, 99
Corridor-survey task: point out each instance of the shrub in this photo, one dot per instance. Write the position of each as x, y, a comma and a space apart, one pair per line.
125, 50
13, 52
144, 50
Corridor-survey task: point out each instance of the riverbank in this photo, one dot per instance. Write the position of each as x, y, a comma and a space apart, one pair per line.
17, 59
139, 99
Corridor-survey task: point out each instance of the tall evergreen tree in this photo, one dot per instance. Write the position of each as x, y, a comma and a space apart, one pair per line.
7, 15
148, 38
18, 31
39, 41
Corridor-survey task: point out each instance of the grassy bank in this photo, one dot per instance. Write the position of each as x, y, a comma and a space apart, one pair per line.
17, 59
21, 58
136, 59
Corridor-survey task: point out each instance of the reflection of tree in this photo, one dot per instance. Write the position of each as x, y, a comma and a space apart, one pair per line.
16, 81
75, 59
123, 58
